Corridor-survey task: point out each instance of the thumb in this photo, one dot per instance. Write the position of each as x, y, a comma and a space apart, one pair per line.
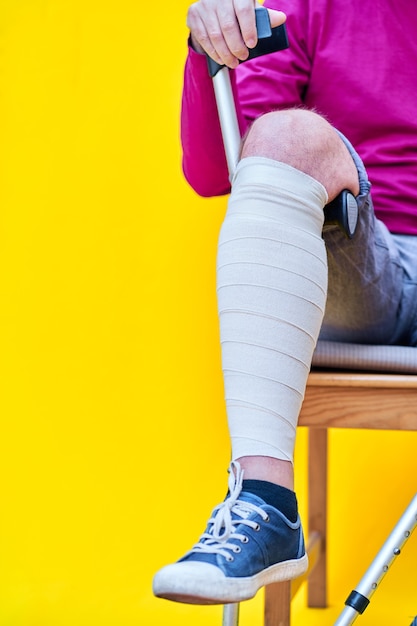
276, 17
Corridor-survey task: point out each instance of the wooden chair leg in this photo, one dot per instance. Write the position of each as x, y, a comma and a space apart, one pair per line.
317, 512
278, 604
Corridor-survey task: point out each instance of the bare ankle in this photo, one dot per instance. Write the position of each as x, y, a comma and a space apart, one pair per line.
275, 471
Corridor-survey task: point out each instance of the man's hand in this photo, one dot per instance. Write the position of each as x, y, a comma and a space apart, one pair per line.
225, 29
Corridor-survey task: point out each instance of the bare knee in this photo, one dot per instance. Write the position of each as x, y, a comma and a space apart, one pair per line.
307, 142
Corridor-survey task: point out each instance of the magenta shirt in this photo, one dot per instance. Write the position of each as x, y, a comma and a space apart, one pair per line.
356, 63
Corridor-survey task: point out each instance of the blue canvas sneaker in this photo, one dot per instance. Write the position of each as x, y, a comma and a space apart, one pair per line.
247, 544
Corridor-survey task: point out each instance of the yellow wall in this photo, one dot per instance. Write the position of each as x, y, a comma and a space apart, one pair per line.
113, 445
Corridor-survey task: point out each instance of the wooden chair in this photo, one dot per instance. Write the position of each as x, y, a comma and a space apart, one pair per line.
350, 386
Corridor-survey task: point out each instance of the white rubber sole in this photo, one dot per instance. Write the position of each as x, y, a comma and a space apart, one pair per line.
201, 583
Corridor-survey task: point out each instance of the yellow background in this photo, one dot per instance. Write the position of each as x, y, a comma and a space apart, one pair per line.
113, 444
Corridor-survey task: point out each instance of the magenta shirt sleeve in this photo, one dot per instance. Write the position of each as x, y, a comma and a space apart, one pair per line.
204, 160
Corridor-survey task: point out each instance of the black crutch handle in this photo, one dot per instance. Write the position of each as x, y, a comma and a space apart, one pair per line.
269, 40
343, 211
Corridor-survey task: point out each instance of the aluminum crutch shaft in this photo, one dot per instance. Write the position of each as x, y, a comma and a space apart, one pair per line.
359, 598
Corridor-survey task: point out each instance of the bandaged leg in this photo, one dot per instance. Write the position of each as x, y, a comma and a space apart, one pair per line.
271, 282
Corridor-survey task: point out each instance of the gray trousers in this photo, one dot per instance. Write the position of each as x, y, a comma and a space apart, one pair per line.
372, 291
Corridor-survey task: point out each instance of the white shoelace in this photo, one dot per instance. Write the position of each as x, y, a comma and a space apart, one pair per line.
223, 526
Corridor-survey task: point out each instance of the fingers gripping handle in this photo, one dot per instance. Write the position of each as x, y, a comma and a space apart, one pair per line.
269, 40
